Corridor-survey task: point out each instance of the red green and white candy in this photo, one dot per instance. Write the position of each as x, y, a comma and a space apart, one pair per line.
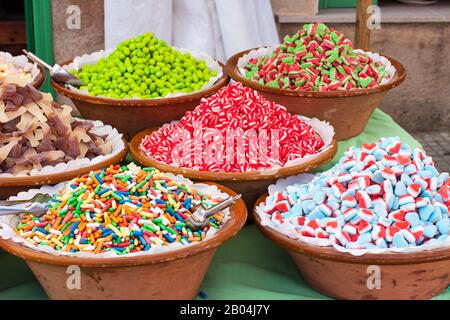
316, 58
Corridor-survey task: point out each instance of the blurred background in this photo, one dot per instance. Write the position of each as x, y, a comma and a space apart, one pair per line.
414, 32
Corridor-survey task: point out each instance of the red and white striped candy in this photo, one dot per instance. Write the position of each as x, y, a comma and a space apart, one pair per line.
364, 227
283, 206
397, 215
246, 116
365, 214
350, 229
390, 232
378, 232
332, 227
417, 232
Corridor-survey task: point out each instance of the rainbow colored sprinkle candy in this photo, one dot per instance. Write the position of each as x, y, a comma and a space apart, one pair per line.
123, 209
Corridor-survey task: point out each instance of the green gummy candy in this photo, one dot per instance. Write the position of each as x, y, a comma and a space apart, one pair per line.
334, 37
300, 82
308, 27
308, 55
299, 48
306, 65
288, 60
341, 70
287, 39
365, 82
273, 83
321, 29
333, 73
249, 74
332, 58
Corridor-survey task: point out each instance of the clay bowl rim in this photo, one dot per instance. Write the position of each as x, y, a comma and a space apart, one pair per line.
54, 178
140, 157
142, 103
233, 71
328, 253
39, 80
230, 229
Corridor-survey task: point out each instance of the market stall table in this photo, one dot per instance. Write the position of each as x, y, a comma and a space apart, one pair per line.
251, 266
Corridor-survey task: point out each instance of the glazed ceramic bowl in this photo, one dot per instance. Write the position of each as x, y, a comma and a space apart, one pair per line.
131, 116
347, 111
10, 186
250, 184
167, 275
418, 275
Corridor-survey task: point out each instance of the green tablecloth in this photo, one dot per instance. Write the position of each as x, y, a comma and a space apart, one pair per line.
250, 266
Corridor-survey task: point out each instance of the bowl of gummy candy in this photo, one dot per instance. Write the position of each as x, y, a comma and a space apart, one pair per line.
317, 73
124, 231
239, 139
142, 82
18, 68
375, 226
43, 144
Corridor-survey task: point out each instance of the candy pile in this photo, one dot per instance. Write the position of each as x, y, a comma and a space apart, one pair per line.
144, 67
35, 132
316, 58
222, 134
8, 69
382, 195
121, 209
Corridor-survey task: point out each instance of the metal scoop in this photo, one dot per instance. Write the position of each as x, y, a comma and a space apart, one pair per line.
200, 218
56, 72
37, 205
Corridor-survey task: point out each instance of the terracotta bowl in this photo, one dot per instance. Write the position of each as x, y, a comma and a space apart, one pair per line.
419, 275
10, 186
175, 274
347, 111
250, 184
37, 83
130, 116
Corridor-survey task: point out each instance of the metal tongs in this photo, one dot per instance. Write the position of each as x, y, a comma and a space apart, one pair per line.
56, 72
37, 205
200, 218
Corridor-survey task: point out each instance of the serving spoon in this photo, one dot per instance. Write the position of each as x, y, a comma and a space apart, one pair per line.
56, 72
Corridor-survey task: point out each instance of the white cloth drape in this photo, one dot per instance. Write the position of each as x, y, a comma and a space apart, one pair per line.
219, 28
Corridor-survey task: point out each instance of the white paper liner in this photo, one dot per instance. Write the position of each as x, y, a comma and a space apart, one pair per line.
100, 129
289, 230
92, 58
266, 51
22, 62
7, 223
322, 128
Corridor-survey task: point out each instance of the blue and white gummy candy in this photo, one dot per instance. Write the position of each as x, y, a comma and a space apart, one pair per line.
382, 195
